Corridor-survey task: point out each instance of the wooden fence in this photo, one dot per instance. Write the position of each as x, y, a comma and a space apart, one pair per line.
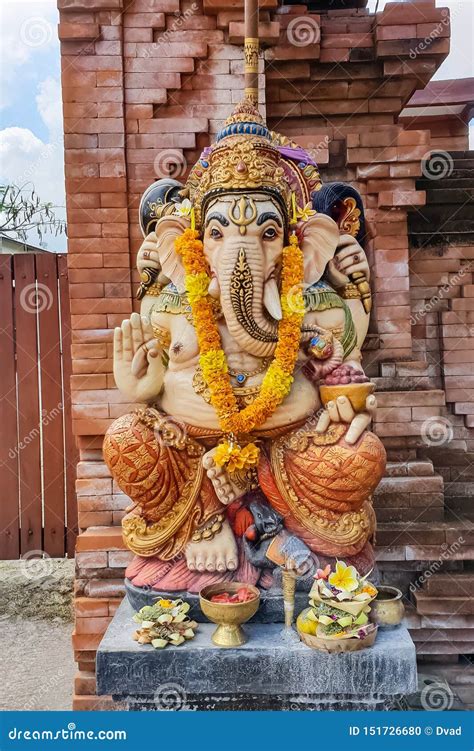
37, 453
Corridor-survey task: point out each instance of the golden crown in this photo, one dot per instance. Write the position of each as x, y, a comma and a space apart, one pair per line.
243, 158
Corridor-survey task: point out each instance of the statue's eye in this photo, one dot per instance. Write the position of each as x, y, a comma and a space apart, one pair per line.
215, 233
270, 233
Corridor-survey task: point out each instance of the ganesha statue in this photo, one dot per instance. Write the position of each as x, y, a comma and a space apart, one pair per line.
249, 450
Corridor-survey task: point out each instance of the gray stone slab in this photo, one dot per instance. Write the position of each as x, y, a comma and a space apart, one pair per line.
267, 665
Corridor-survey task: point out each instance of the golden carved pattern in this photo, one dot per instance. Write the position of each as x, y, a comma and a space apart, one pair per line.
241, 295
327, 483
159, 467
162, 335
349, 291
349, 223
251, 47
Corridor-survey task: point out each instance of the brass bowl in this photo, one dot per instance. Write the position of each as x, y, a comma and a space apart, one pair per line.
387, 610
357, 394
228, 615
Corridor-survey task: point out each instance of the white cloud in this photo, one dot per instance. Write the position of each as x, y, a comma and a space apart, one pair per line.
26, 30
48, 101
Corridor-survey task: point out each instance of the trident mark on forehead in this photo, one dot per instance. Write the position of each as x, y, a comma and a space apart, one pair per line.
238, 213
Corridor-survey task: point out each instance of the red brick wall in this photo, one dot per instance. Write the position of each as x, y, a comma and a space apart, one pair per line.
151, 84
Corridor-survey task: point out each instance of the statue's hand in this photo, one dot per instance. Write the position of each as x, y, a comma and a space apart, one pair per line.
341, 410
348, 258
138, 368
147, 256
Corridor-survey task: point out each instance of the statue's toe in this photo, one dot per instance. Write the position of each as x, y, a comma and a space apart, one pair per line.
211, 562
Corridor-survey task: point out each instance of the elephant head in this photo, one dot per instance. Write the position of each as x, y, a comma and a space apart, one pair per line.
244, 235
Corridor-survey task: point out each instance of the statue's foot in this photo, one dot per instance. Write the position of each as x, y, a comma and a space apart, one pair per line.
227, 491
218, 554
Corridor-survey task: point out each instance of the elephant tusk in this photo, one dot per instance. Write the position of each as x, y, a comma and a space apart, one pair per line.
214, 288
271, 299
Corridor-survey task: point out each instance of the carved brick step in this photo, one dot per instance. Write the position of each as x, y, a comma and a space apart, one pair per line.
448, 540
450, 196
469, 154
425, 513
410, 468
464, 162
445, 238
458, 675
426, 605
407, 383
454, 584
464, 636
430, 647
458, 180
447, 457
420, 398
460, 490
409, 368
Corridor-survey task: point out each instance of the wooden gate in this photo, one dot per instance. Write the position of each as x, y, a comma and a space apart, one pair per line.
37, 453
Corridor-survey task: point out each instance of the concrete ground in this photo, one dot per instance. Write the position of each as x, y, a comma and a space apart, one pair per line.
36, 658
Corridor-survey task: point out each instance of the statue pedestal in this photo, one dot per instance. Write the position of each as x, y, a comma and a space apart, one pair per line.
268, 672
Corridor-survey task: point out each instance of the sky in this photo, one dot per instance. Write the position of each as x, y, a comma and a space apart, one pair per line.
31, 147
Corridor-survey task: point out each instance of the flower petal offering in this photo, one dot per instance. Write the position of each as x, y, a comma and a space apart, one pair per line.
165, 622
339, 611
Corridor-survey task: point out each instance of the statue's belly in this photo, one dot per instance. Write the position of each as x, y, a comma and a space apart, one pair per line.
180, 400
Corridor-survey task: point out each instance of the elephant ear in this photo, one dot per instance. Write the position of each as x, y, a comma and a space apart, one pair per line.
167, 230
319, 238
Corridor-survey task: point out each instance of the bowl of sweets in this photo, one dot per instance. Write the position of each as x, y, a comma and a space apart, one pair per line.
345, 380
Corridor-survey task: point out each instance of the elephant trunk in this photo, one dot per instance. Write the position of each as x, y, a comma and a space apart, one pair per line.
243, 295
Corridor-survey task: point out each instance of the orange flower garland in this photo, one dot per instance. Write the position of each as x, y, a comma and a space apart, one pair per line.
277, 381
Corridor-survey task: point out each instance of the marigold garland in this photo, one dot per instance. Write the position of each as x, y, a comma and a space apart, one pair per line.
277, 381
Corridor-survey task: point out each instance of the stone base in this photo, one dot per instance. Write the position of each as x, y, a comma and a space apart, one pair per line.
273, 670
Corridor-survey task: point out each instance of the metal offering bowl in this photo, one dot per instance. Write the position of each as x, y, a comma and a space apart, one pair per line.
228, 616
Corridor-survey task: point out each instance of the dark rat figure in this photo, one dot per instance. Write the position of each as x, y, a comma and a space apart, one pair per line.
268, 524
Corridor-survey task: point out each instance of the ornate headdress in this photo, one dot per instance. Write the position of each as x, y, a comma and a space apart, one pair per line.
246, 156
243, 158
